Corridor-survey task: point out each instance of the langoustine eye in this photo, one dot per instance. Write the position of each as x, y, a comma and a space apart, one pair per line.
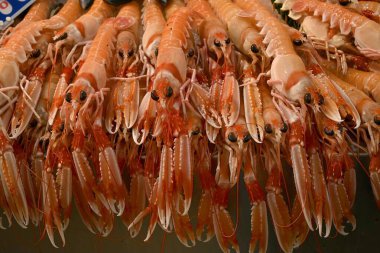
68, 97
232, 137
131, 52
247, 138
169, 92
376, 119
268, 128
328, 131
255, 49
154, 95
82, 95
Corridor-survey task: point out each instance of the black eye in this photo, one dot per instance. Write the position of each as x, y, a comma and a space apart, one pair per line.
228, 41
156, 51
190, 53
328, 131
284, 128
82, 95
247, 138
217, 43
376, 119
121, 54
154, 95
130, 52
254, 49
35, 53
169, 92
344, 2
297, 42
68, 97
321, 99
61, 37
307, 98
348, 118
232, 137
268, 128
61, 127
33, 123
196, 131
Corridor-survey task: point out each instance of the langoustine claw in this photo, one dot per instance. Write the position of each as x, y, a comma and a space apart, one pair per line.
205, 224
340, 201
203, 102
204, 218
86, 179
216, 83
223, 225
145, 119
340, 174
31, 93
322, 209
12, 183
57, 190
183, 170
299, 161
230, 99
224, 228
111, 181
253, 107
126, 103
30, 190
213, 218
279, 211
259, 222
98, 223
336, 105
181, 223
151, 209
299, 224
137, 194
290, 226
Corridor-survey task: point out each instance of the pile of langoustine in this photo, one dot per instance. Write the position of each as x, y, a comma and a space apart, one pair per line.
123, 107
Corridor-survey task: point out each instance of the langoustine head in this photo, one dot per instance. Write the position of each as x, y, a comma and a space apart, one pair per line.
274, 127
253, 45
166, 90
330, 131
220, 44
76, 96
237, 134
237, 138
126, 49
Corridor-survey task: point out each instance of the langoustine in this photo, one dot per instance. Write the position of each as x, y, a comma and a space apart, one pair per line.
225, 94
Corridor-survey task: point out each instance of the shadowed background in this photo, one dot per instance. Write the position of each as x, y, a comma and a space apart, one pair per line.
79, 239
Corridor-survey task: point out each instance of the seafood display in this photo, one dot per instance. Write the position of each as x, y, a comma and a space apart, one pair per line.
130, 110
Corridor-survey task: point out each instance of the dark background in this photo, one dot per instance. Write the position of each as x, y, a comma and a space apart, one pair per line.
79, 239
